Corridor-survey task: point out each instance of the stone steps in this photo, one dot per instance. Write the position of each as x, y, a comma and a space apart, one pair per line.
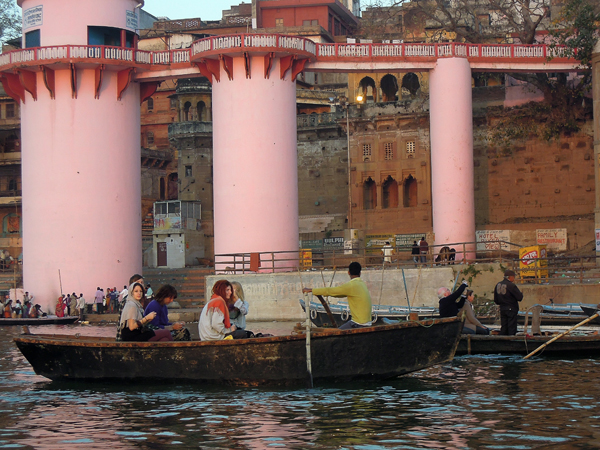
189, 282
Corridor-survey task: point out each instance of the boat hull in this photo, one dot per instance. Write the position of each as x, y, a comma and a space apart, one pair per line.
39, 321
374, 352
580, 346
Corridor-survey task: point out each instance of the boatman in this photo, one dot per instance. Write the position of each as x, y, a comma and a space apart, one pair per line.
508, 296
359, 299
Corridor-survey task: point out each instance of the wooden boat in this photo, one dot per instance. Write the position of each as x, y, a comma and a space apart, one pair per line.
589, 311
48, 320
587, 345
364, 353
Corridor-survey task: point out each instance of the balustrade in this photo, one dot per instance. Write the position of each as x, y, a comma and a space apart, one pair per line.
367, 51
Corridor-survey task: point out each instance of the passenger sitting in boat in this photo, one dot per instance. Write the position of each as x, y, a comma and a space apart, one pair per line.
35, 312
472, 325
60, 307
239, 309
451, 302
359, 299
133, 322
215, 324
8, 309
165, 296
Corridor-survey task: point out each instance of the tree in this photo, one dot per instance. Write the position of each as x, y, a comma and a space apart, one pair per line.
10, 20
511, 21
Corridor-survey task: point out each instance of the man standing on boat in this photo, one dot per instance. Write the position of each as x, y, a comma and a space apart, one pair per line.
508, 296
359, 299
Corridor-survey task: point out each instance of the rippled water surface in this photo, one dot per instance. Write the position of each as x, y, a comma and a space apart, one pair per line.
471, 403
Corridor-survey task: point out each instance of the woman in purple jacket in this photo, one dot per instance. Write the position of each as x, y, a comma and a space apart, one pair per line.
165, 296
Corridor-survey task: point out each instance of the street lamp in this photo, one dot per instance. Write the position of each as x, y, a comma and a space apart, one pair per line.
344, 104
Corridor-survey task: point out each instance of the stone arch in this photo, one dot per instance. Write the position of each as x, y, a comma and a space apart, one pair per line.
410, 192
368, 90
389, 193
389, 88
201, 111
411, 83
369, 194
186, 112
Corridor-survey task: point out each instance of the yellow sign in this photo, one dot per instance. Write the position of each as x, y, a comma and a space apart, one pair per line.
533, 262
305, 258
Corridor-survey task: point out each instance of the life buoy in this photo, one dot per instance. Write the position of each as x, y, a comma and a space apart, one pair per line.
374, 318
313, 314
345, 315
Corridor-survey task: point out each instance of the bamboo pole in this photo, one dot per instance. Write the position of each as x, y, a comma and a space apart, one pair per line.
562, 334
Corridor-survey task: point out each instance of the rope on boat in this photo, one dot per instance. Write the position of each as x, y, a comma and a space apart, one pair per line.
381, 285
406, 291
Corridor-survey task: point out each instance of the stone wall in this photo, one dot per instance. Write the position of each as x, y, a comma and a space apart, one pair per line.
275, 296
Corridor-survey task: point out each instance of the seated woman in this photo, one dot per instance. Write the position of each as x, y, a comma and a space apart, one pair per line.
214, 322
36, 311
165, 296
239, 310
133, 321
472, 325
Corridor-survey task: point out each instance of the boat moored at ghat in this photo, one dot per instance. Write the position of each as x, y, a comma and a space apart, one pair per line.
336, 355
586, 345
48, 320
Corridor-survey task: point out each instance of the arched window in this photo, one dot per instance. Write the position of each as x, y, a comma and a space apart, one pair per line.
389, 88
367, 89
410, 192
150, 103
389, 193
410, 82
186, 112
369, 194
201, 109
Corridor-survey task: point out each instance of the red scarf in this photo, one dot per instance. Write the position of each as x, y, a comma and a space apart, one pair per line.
217, 302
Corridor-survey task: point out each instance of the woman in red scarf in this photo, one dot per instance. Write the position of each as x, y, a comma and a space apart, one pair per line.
214, 322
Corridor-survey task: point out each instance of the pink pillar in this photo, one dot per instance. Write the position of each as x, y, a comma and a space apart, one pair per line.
80, 167
451, 113
255, 162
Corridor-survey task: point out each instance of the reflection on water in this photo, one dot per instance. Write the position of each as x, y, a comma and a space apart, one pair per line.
471, 403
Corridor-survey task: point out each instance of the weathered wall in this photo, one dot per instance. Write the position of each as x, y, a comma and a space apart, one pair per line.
275, 296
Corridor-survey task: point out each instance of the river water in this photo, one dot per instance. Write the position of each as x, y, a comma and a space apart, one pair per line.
471, 403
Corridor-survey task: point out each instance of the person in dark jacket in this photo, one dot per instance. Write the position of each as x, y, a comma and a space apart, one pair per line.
507, 295
452, 302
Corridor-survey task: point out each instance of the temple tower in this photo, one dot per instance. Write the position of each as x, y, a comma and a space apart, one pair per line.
80, 146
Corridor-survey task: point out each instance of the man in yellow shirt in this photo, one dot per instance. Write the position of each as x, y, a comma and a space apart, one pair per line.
359, 299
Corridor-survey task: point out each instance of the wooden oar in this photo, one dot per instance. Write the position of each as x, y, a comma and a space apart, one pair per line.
327, 310
562, 334
309, 380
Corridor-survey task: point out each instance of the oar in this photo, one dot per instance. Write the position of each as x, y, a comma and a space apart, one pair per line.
562, 334
309, 380
327, 310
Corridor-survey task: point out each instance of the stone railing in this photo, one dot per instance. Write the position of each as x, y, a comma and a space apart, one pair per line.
179, 128
319, 120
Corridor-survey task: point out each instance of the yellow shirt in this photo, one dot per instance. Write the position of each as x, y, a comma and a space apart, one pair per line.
359, 299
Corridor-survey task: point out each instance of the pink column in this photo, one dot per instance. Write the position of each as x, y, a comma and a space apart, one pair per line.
80, 168
255, 162
452, 182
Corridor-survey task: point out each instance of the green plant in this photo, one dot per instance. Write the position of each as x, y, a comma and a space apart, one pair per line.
470, 272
